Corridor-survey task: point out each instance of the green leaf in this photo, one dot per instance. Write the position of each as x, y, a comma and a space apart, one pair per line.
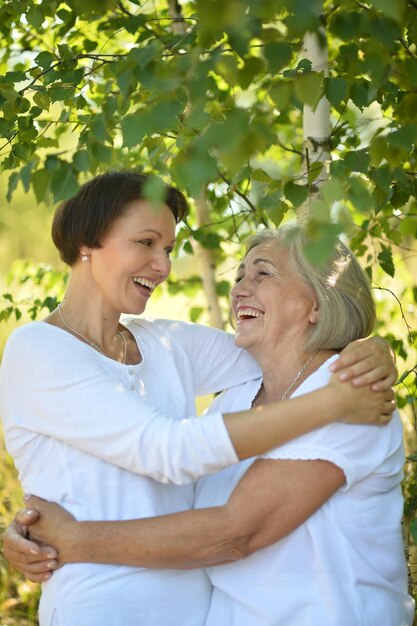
5, 127
102, 153
13, 180
59, 92
195, 313
345, 24
135, 127
359, 195
309, 88
42, 100
98, 127
321, 241
164, 115
360, 93
25, 176
44, 59
403, 137
296, 194
314, 171
278, 54
382, 177
208, 240
66, 53
40, 182
154, 190
358, 161
23, 150
14, 77
332, 190
335, 90
223, 288
64, 184
395, 10
252, 68
386, 261
21, 105
378, 149
281, 93
82, 161
35, 17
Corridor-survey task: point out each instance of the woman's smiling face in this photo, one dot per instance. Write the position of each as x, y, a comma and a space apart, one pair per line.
134, 257
270, 302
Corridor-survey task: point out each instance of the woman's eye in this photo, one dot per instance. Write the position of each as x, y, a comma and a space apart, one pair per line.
263, 273
238, 279
168, 251
145, 242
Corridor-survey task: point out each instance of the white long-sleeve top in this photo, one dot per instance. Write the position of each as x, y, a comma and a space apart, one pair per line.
107, 441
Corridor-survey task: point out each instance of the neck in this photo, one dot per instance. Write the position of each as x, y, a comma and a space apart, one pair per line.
283, 374
88, 316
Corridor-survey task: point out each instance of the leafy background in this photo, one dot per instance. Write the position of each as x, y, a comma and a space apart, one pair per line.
211, 95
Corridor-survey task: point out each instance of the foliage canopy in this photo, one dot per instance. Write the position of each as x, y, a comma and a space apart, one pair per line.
210, 94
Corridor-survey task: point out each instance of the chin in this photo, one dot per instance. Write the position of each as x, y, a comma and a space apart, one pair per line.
135, 310
240, 341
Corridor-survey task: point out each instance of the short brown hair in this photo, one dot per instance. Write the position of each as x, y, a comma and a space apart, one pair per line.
85, 219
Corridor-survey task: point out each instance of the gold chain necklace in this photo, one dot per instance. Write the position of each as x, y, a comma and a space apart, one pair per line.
87, 340
291, 386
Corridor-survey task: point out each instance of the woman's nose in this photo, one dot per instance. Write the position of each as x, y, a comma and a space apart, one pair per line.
162, 263
240, 289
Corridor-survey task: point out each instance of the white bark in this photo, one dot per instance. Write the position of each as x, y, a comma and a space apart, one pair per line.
179, 26
208, 266
205, 256
316, 122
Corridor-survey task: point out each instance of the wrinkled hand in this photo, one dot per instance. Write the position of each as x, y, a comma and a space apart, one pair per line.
362, 405
367, 362
36, 562
51, 525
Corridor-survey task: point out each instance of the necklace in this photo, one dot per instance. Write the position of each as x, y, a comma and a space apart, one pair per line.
87, 340
291, 386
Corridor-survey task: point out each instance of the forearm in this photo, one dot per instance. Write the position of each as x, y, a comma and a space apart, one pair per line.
192, 539
269, 426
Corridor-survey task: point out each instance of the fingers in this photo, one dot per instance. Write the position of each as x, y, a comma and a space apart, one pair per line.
27, 516
33, 501
370, 370
15, 542
35, 562
27, 556
389, 408
387, 382
36, 571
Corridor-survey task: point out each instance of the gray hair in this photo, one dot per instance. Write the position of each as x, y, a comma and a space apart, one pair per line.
341, 287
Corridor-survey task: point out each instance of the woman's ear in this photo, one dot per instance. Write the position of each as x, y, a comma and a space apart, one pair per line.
314, 313
84, 254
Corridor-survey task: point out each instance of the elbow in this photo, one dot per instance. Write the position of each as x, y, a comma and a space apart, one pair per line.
239, 539
239, 550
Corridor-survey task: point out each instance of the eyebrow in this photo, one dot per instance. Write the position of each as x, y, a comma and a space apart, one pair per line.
156, 232
256, 262
259, 260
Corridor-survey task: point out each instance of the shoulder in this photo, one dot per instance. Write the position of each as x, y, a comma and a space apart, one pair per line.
25, 337
176, 330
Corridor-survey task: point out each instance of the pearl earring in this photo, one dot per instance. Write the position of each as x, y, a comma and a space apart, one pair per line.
84, 257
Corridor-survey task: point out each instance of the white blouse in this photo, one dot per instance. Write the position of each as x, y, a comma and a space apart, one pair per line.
344, 566
104, 440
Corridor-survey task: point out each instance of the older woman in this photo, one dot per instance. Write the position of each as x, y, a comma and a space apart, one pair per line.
319, 518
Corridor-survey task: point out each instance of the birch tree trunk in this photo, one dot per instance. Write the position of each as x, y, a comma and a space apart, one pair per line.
208, 266
316, 122
205, 256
